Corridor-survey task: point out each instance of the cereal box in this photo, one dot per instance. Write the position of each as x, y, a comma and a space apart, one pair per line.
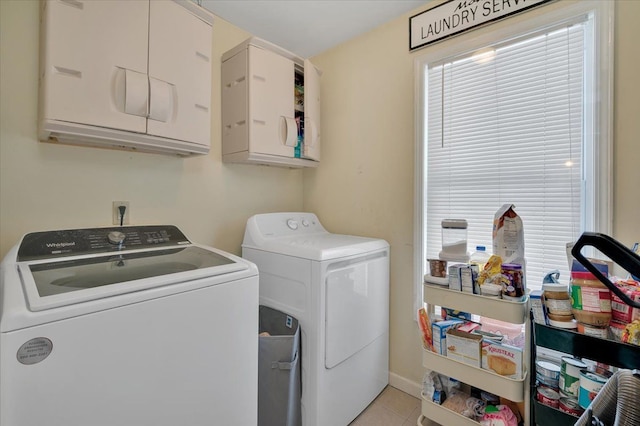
440, 334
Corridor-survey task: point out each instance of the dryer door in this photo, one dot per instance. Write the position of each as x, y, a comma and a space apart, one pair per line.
357, 305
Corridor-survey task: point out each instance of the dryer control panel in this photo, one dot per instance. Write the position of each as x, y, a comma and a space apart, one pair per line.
72, 242
275, 225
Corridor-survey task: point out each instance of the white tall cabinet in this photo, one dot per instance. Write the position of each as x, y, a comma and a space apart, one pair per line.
263, 120
128, 73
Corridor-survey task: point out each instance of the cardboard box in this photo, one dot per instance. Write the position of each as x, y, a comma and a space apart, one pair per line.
469, 279
440, 329
464, 347
454, 277
504, 360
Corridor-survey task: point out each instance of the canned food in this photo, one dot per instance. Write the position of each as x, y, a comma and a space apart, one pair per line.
590, 385
570, 406
548, 373
570, 376
548, 396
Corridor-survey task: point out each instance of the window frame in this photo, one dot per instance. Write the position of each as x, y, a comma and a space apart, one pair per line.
601, 128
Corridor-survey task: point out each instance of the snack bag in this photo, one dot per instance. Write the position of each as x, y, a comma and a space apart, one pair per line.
425, 327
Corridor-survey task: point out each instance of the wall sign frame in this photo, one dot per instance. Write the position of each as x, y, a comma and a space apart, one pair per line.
454, 17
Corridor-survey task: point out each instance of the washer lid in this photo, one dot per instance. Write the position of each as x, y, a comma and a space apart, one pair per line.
62, 268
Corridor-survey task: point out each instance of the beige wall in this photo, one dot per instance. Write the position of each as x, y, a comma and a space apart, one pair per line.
365, 184
45, 186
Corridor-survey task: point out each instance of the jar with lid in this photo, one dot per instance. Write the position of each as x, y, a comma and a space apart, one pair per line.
590, 299
557, 301
514, 287
454, 240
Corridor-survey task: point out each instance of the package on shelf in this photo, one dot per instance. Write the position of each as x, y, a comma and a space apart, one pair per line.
440, 329
508, 235
505, 360
620, 311
424, 322
469, 279
448, 313
465, 405
464, 347
436, 386
454, 277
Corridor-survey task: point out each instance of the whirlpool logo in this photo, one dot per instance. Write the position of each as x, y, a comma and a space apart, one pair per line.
61, 245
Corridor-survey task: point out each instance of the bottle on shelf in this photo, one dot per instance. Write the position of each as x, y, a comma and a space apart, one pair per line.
479, 257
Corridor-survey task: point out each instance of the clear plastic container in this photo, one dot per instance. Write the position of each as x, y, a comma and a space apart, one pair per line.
454, 240
479, 257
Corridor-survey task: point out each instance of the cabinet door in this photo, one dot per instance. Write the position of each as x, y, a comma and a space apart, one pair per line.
271, 103
90, 50
311, 111
179, 74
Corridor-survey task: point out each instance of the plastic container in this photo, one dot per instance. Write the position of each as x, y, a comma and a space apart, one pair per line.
454, 240
592, 330
598, 319
437, 267
514, 274
479, 257
589, 294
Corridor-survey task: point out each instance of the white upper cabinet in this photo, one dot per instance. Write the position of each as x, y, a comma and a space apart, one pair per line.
270, 106
133, 74
179, 74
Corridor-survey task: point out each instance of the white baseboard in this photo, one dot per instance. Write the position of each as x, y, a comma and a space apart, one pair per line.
405, 385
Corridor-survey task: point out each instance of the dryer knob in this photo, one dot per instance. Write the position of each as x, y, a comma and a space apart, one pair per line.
292, 224
116, 237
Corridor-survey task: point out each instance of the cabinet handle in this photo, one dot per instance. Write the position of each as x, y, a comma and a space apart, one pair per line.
288, 131
161, 96
131, 92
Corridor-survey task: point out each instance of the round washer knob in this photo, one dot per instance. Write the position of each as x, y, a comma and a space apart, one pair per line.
305, 222
116, 237
292, 224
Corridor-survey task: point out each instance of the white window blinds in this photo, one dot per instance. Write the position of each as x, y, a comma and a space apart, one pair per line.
508, 126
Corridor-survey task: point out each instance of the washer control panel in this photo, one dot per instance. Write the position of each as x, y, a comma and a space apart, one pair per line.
72, 242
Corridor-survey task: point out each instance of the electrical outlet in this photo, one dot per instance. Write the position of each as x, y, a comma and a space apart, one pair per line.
116, 212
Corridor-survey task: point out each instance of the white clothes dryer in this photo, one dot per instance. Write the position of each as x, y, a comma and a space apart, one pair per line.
337, 286
126, 326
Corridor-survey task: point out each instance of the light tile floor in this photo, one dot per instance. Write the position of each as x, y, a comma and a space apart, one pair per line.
391, 408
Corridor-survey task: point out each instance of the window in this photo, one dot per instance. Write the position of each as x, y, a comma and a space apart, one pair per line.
522, 116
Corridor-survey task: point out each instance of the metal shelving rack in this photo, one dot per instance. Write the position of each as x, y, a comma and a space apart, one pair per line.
621, 355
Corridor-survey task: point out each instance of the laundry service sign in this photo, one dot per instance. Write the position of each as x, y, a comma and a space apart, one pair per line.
457, 16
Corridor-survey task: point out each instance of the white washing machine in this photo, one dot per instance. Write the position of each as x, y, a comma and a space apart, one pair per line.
337, 286
126, 326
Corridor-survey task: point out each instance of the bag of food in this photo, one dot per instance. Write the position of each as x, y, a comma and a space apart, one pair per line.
508, 235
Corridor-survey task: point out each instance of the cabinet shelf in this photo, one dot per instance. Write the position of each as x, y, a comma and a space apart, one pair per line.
609, 352
503, 310
509, 388
443, 416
